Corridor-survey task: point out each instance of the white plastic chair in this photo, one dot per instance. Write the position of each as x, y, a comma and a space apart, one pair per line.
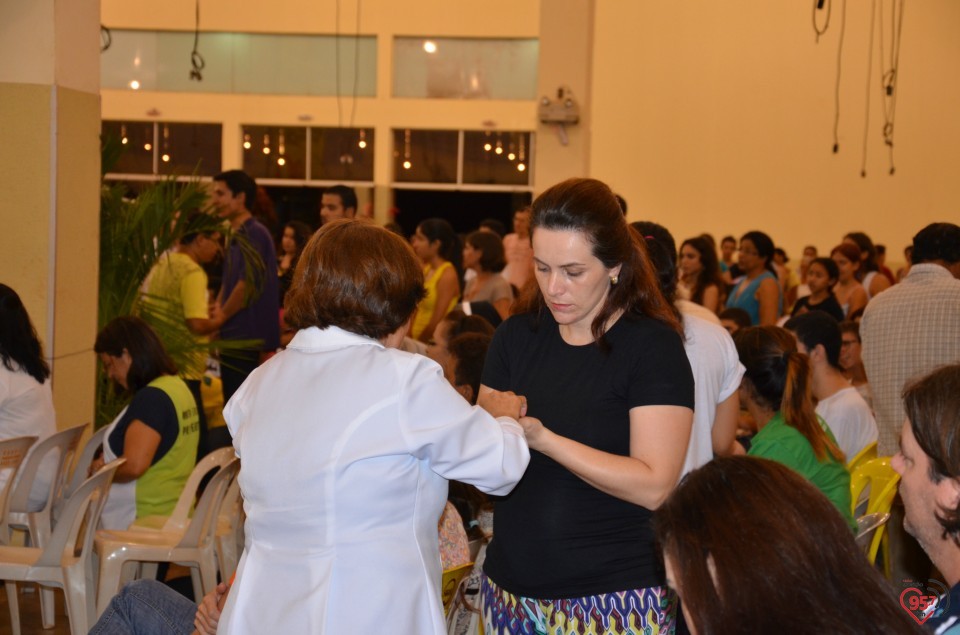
80, 470
179, 518
61, 563
193, 547
12, 453
230, 531
39, 524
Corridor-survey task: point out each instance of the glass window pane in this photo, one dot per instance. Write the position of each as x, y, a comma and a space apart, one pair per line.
459, 68
137, 140
275, 152
496, 158
341, 154
188, 148
249, 63
425, 156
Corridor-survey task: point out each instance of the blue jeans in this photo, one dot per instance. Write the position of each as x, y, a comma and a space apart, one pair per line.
147, 607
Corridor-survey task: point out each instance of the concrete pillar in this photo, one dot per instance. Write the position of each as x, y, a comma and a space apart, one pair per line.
49, 180
566, 58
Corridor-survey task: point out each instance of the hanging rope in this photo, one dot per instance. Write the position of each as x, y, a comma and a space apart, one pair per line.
196, 60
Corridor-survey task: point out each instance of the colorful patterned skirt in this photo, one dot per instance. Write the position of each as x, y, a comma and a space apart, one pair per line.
650, 611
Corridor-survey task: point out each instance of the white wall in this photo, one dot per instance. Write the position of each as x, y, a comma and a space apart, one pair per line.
718, 116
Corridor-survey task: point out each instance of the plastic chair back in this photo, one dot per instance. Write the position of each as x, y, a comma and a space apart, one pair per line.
12, 453
864, 455
452, 578
179, 518
79, 475
66, 442
203, 527
81, 512
876, 474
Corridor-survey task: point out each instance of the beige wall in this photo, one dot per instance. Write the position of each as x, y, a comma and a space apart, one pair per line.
49, 176
719, 117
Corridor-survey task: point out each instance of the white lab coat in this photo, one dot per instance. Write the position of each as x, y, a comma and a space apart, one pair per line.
346, 449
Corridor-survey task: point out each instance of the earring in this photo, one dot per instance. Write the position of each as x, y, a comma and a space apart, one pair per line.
614, 280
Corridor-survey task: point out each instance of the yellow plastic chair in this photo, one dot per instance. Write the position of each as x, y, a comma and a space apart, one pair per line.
864, 455
452, 579
882, 480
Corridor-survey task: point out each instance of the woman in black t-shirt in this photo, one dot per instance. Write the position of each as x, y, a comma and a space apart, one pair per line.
598, 355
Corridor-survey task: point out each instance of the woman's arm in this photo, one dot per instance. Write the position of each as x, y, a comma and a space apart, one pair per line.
140, 443
711, 298
448, 288
658, 445
878, 284
858, 298
768, 296
725, 423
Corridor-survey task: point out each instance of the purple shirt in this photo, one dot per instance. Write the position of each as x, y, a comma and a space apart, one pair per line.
260, 318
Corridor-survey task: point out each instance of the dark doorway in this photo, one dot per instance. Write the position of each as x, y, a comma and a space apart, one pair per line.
463, 210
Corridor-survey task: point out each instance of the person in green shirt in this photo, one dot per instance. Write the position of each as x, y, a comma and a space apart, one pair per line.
776, 391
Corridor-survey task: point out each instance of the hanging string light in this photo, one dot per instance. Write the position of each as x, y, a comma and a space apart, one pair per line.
123, 134
166, 144
281, 149
487, 146
362, 143
406, 150
246, 141
521, 154
499, 147
266, 143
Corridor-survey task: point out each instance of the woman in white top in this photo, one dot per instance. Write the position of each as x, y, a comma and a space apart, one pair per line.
347, 444
26, 402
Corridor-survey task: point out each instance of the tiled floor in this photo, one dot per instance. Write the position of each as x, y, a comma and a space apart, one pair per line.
30, 614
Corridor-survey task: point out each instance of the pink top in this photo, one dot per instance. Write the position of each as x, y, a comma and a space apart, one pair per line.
454, 550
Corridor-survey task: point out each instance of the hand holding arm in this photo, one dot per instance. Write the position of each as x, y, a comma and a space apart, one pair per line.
502, 404
208, 611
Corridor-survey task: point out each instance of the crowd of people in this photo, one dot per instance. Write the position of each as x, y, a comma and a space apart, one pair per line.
563, 379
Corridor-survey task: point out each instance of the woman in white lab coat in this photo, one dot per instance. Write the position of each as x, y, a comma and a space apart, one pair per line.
347, 444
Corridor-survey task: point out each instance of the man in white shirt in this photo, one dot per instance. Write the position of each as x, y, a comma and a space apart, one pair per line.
838, 402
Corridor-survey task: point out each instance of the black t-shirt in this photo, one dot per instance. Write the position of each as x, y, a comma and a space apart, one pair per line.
830, 306
555, 536
154, 408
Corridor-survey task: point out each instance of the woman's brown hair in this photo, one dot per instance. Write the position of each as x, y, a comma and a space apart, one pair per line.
755, 548
779, 377
588, 206
356, 276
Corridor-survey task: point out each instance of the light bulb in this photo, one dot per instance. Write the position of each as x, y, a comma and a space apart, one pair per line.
135, 85
266, 149
165, 158
281, 161
487, 147
124, 141
511, 156
521, 167
148, 147
246, 145
498, 150
430, 46
407, 165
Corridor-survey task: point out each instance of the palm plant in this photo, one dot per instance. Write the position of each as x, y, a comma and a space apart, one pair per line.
134, 234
